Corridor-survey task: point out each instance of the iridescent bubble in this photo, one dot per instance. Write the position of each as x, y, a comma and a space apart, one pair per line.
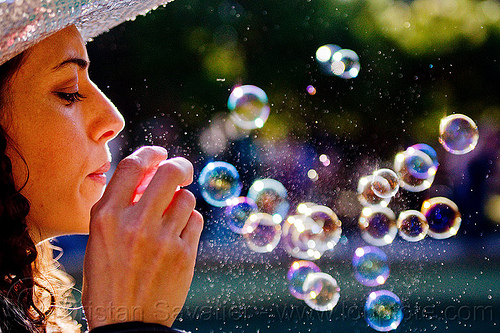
365, 193
443, 217
297, 274
311, 90
322, 228
378, 225
370, 266
383, 310
293, 243
412, 225
412, 164
238, 212
425, 148
266, 234
249, 107
458, 134
219, 182
270, 197
345, 64
385, 183
322, 291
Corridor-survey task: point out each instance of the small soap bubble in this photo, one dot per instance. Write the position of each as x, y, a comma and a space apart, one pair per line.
345, 64
458, 134
266, 234
385, 183
322, 228
365, 193
412, 225
297, 274
270, 196
249, 107
219, 182
370, 266
378, 225
238, 212
383, 310
322, 291
443, 217
412, 166
292, 238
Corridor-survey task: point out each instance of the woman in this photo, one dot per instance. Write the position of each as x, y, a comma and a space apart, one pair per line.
55, 126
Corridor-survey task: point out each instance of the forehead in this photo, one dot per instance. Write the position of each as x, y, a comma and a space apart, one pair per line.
50, 52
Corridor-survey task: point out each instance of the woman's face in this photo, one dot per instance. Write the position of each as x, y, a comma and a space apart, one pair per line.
60, 123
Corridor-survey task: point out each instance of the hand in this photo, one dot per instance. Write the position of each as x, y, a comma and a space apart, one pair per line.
140, 256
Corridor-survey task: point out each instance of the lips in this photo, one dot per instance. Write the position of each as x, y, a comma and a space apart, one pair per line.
99, 175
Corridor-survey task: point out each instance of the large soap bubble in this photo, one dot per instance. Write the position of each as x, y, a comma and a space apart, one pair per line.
370, 266
443, 217
270, 196
293, 241
458, 134
383, 310
345, 64
366, 196
322, 230
266, 234
249, 107
237, 213
378, 225
412, 225
323, 292
297, 274
385, 183
415, 168
219, 182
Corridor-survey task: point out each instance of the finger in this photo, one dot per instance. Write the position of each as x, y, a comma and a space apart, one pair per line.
160, 191
178, 212
192, 231
129, 173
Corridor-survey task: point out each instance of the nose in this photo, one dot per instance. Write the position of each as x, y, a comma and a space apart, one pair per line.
106, 121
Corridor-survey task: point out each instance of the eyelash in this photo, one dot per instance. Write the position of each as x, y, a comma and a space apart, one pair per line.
71, 98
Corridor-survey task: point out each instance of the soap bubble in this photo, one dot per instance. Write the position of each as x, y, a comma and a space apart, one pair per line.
322, 291
219, 182
383, 310
443, 217
237, 212
249, 107
385, 183
365, 193
297, 274
458, 134
425, 148
370, 266
322, 228
324, 53
292, 240
266, 234
345, 64
412, 225
378, 225
270, 197
411, 165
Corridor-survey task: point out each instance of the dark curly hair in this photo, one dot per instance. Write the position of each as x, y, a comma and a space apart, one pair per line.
26, 277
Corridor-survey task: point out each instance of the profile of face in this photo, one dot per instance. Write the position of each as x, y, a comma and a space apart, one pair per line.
60, 123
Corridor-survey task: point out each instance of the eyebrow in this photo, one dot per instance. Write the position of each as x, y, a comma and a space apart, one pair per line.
82, 63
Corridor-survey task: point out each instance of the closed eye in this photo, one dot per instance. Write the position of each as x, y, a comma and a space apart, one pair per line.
70, 98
